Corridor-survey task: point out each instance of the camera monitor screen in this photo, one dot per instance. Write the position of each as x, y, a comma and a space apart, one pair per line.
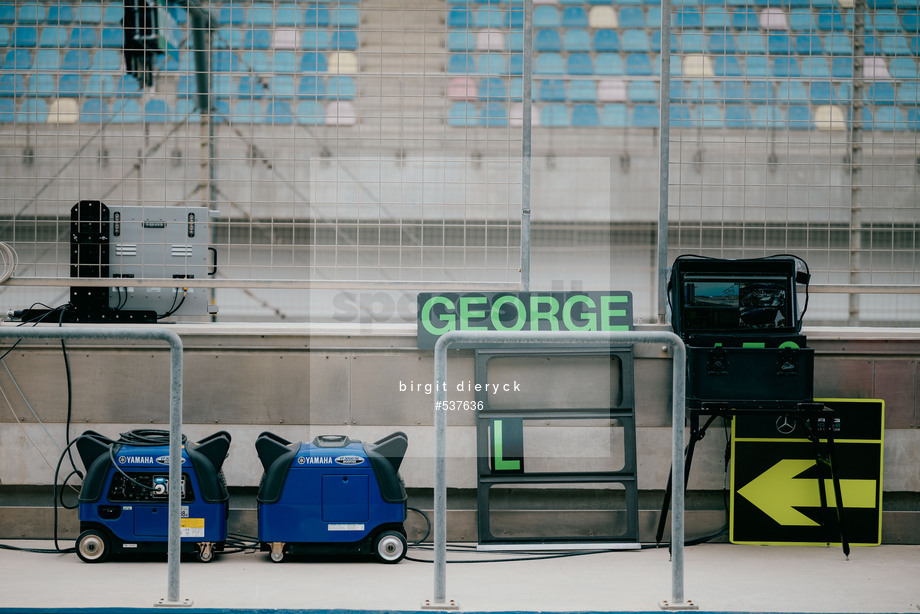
753, 303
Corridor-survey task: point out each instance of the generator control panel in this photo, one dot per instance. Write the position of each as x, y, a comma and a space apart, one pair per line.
145, 487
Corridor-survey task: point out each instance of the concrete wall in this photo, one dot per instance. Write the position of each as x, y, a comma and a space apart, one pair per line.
300, 381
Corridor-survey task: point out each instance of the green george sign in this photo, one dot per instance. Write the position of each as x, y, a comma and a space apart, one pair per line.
521, 311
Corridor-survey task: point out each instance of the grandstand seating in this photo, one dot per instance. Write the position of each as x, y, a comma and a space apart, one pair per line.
735, 64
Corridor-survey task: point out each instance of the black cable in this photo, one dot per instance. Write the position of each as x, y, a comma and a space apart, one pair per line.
174, 308
427, 522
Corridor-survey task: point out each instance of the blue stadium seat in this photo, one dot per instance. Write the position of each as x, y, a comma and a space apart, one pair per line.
815, 68
842, 68
32, 111
106, 60
702, 90
31, 12
256, 61
915, 45
895, 44
112, 38
492, 88
17, 59
314, 39
7, 110
494, 64
70, 85
258, 39
231, 16
831, 20
462, 114
631, 17
801, 20
757, 67
345, 17
89, 13
606, 40
316, 17
549, 64
791, 92
251, 86
708, 116
635, 41
687, 18
102, 85
655, 42
228, 37
344, 40
799, 117
24, 36
890, 119
871, 45
288, 15
880, 93
555, 116
4, 37
910, 20
94, 111
727, 66
680, 116
574, 17
576, 39
579, 64
734, 92
248, 111
458, 18
609, 64
8, 13
128, 86
751, 43
493, 114
545, 16
58, 14
490, 17
786, 67
516, 64
615, 115
341, 87
745, 19
261, 15
722, 43
582, 91
282, 86
279, 112
809, 44
550, 90
312, 61
156, 111
514, 18
760, 92
515, 41
516, 89
224, 61
222, 85
900, 68
54, 37
83, 37
461, 41
645, 116
838, 44
460, 63
639, 64
768, 116
41, 85
887, 21
676, 91
126, 111
642, 91
310, 113
284, 61
825, 92
779, 44
585, 116
691, 42
547, 40
717, 18
48, 60
913, 119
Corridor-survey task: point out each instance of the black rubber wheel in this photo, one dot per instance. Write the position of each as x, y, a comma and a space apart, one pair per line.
93, 546
390, 547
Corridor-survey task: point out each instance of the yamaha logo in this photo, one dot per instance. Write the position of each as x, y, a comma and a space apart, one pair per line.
349, 460
122, 460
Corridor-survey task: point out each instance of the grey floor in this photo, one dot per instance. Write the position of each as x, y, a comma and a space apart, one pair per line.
718, 578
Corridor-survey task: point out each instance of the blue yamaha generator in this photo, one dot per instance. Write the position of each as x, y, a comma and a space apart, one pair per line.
333, 496
123, 504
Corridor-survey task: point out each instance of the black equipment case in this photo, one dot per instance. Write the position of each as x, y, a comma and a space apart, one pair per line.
741, 323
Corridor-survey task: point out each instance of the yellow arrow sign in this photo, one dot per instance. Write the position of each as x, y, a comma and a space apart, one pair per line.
777, 492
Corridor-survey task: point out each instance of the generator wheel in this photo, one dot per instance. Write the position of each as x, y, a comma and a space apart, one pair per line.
92, 546
205, 552
277, 554
390, 547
